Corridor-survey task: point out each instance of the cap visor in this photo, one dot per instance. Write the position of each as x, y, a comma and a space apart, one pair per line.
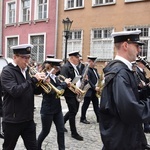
140, 43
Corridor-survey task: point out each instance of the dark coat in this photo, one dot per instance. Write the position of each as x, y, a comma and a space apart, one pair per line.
121, 111
18, 101
92, 79
51, 104
81, 67
144, 91
67, 71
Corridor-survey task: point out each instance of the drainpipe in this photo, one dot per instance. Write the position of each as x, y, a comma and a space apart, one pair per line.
56, 29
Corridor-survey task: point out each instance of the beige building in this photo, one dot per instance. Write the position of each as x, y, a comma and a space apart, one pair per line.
95, 20
1, 27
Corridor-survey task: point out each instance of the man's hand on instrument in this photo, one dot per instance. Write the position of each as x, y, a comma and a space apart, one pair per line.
40, 76
68, 81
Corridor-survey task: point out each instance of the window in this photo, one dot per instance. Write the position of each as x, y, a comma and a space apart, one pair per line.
42, 9
103, 2
38, 49
145, 37
10, 11
133, 0
11, 41
102, 44
74, 42
25, 10
69, 4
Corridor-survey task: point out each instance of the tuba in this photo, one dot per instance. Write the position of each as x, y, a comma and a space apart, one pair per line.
46, 86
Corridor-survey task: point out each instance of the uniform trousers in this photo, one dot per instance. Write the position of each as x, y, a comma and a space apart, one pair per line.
26, 130
47, 120
73, 106
86, 104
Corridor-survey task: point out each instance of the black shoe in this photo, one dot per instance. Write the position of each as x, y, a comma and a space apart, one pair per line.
147, 130
77, 137
85, 121
146, 146
65, 130
1, 136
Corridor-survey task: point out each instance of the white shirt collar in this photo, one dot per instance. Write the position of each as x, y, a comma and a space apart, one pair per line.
124, 61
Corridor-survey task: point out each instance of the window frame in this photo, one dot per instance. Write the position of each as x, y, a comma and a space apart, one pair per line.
38, 34
102, 39
21, 12
72, 42
7, 12
131, 1
36, 11
103, 4
6, 43
74, 7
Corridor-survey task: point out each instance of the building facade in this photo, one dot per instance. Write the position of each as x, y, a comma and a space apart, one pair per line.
30, 21
95, 20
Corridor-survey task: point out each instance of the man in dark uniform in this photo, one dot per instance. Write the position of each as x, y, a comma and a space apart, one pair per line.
143, 87
18, 101
69, 70
81, 66
121, 111
51, 110
140, 77
93, 78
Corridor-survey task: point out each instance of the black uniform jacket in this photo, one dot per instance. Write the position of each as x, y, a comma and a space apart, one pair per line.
121, 111
18, 101
92, 79
67, 71
50, 103
144, 91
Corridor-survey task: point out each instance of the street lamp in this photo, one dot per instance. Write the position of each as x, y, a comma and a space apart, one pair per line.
67, 25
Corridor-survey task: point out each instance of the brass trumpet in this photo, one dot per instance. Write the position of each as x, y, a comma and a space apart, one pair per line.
72, 86
46, 86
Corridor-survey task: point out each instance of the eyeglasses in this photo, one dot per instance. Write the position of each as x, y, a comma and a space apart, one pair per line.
24, 57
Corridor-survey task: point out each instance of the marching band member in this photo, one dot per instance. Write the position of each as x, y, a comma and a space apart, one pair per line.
121, 110
51, 110
18, 101
69, 70
93, 78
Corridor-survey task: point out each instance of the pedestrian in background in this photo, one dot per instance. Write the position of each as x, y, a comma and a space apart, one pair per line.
51, 110
18, 100
93, 78
69, 70
121, 111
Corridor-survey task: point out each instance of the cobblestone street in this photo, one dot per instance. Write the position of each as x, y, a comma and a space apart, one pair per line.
90, 132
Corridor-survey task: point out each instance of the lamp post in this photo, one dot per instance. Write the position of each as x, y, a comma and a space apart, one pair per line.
67, 25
